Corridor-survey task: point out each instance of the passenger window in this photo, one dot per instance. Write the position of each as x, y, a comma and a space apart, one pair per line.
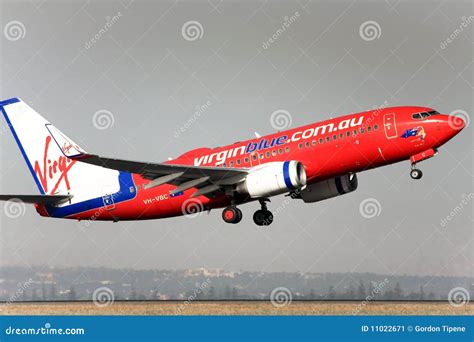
362, 131
355, 132
287, 149
231, 163
369, 129
321, 140
334, 137
314, 142
348, 133
341, 135
300, 146
307, 144
376, 127
261, 156
274, 153
280, 151
268, 154
246, 159
328, 138
254, 157
238, 161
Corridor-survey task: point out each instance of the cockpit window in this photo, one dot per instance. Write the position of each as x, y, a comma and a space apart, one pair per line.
423, 115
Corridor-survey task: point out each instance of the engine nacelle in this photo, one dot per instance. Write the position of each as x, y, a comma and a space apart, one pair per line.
273, 178
329, 188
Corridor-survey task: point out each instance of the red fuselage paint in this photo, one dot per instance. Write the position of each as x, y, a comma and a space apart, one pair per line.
347, 144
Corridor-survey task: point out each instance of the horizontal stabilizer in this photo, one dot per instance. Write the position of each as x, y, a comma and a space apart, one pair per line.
38, 199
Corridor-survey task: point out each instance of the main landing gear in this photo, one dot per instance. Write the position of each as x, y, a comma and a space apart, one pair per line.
415, 173
232, 214
262, 217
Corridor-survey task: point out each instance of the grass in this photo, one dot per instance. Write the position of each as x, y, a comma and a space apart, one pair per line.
235, 308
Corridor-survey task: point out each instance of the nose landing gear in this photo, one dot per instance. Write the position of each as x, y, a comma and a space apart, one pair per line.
415, 173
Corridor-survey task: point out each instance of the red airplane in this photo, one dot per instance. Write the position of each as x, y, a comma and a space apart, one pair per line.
312, 163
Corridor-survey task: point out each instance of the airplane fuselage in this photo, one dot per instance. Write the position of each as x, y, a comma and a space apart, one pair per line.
343, 145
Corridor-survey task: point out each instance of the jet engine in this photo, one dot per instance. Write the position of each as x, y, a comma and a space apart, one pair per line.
273, 178
329, 188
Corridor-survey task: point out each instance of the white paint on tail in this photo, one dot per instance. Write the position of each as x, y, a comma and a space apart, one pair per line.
47, 152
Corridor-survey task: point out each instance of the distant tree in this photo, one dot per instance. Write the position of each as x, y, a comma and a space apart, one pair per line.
211, 294
422, 293
235, 293
331, 293
397, 292
133, 294
34, 295
72, 296
52, 292
227, 292
43, 292
361, 293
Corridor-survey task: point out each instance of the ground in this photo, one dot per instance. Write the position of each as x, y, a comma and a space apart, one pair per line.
237, 308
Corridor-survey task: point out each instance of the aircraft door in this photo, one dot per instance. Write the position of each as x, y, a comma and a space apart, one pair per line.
390, 125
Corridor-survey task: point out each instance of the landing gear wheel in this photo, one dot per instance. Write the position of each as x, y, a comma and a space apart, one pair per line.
416, 174
263, 217
232, 215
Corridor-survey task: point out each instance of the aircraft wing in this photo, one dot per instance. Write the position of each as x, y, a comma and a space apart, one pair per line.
38, 199
206, 179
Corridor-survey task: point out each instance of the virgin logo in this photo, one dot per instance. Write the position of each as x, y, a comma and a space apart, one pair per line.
53, 172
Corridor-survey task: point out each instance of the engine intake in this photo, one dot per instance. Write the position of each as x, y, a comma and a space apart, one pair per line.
273, 178
329, 188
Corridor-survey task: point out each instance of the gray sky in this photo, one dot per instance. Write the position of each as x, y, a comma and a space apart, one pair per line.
151, 79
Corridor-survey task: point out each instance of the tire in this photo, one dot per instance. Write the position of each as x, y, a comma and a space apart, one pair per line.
263, 217
232, 215
416, 174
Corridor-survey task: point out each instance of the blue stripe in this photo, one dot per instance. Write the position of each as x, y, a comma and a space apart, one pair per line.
286, 175
5, 103
124, 194
339, 187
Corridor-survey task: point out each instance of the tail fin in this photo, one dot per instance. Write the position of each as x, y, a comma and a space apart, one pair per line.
47, 152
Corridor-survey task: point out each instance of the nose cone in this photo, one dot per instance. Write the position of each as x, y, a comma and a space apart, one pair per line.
449, 125
456, 123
